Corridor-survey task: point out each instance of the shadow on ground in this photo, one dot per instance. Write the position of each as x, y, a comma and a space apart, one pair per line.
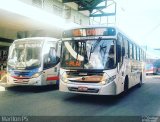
32, 89
100, 99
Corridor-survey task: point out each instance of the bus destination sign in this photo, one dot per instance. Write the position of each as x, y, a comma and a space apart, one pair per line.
83, 32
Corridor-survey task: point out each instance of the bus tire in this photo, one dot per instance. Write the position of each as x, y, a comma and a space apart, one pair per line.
126, 82
140, 82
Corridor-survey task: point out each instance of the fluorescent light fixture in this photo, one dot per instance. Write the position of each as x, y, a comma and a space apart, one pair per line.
5, 44
37, 14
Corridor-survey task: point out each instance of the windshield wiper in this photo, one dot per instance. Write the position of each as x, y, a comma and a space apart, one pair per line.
94, 46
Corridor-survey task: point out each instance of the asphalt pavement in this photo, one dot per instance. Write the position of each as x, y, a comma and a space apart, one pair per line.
49, 101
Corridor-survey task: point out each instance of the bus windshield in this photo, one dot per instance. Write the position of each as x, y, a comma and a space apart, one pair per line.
24, 55
88, 54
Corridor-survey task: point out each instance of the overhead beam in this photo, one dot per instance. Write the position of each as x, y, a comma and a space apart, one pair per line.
103, 14
94, 8
6, 40
67, 1
96, 2
90, 5
90, 8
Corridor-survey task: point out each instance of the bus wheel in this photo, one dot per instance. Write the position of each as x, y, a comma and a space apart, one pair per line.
140, 82
126, 85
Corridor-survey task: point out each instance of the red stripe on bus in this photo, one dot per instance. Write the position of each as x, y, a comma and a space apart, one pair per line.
53, 78
2, 72
18, 77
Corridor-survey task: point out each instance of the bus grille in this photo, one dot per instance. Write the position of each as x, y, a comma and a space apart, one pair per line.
22, 73
84, 81
21, 82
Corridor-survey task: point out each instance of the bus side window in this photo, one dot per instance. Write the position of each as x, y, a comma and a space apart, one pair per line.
111, 51
53, 58
52, 54
126, 47
141, 55
111, 58
133, 51
50, 58
130, 50
123, 48
138, 53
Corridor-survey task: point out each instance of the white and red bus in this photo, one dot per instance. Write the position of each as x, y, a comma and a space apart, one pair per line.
34, 61
99, 60
150, 69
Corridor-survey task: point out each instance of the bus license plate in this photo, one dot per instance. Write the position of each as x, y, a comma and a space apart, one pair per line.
82, 89
20, 80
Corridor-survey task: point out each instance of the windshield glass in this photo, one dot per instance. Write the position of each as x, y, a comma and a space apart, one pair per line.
88, 54
25, 55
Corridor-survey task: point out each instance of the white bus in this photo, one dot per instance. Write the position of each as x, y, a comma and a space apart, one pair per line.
34, 61
100, 61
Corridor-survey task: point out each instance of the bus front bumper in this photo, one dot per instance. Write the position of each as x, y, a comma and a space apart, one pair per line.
107, 89
30, 81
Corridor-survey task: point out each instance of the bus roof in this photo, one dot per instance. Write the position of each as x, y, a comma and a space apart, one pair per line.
114, 35
92, 26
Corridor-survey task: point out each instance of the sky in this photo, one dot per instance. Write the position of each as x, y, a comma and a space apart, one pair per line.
140, 19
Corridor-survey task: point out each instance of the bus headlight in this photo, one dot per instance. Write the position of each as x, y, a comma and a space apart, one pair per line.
103, 80
9, 74
107, 80
64, 77
36, 75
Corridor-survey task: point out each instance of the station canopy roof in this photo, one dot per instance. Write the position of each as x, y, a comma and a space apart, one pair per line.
85, 4
91, 5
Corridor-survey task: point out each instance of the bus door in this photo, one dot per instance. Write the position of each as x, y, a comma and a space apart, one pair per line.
51, 62
121, 66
